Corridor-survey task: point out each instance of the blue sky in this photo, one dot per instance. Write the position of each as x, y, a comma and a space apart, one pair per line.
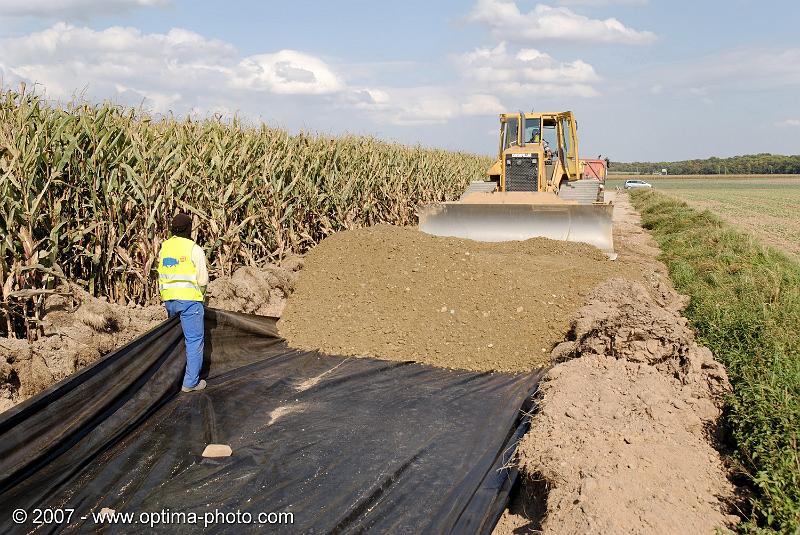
647, 79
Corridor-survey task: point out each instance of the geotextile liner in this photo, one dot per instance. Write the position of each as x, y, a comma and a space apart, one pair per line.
343, 444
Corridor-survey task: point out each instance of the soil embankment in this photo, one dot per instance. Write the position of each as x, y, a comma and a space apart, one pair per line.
398, 294
78, 330
623, 438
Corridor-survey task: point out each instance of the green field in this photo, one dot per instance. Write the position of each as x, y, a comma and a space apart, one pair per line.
766, 206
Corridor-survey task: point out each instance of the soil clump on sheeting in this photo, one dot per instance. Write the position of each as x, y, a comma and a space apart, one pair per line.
398, 294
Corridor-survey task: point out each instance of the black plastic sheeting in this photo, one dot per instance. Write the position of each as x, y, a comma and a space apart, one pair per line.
343, 444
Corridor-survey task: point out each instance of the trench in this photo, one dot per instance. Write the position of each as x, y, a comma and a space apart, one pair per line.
380, 444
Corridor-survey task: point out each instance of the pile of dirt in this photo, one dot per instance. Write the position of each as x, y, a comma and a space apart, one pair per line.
398, 294
623, 440
252, 290
623, 449
622, 320
78, 330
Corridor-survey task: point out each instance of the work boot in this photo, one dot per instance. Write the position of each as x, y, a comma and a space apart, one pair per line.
199, 386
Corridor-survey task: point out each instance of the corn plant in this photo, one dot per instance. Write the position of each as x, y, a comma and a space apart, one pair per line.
89, 190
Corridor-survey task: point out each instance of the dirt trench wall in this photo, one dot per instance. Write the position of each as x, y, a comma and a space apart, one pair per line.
622, 320
623, 435
79, 329
623, 440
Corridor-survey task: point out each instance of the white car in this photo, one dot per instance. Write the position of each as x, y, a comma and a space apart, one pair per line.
630, 184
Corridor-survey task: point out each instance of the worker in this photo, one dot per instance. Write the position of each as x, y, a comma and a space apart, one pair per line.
535, 136
182, 281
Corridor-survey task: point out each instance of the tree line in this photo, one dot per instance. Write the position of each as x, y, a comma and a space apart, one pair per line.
763, 163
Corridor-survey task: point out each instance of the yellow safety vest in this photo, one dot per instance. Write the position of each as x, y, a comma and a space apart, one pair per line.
177, 274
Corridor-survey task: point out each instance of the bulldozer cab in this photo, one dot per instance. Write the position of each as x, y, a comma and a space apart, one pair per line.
537, 152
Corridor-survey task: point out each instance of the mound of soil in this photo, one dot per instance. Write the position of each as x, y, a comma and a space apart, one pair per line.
622, 320
398, 294
623, 441
623, 449
261, 291
78, 330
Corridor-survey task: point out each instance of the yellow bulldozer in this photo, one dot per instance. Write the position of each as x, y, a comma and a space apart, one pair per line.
535, 188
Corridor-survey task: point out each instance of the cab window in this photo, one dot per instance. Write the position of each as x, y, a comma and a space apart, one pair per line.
565, 130
533, 130
510, 132
550, 135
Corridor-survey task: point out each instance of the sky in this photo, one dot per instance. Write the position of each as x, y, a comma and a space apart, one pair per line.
648, 80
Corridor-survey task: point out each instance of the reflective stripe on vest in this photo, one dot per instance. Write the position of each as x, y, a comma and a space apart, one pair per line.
177, 274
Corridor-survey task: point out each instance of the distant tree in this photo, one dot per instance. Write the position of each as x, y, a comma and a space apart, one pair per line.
762, 163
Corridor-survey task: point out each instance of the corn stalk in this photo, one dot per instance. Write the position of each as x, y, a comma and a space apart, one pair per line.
89, 190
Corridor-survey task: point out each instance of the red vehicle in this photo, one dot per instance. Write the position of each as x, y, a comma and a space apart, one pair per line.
595, 169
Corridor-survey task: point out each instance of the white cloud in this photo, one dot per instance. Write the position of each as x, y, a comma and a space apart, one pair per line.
788, 122
482, 105
287, 72
600, 3
52, 9
742, 70
546, 23
171, 71
184, 72
158, 101
529, 71
702, 94
423, 105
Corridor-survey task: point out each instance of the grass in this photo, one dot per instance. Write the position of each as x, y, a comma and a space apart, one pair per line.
745, 306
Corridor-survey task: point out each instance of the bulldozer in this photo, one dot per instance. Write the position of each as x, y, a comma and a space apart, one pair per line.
535, 188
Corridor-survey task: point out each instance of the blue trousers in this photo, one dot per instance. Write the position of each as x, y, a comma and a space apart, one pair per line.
191, 313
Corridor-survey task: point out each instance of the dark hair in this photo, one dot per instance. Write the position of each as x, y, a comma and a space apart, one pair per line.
182, 225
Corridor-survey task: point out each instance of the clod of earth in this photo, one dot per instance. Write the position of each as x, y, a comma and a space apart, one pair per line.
217, 450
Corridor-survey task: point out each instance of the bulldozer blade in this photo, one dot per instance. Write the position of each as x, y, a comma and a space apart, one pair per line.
508, 222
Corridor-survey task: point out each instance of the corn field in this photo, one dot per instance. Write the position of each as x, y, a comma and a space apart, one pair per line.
89, 190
